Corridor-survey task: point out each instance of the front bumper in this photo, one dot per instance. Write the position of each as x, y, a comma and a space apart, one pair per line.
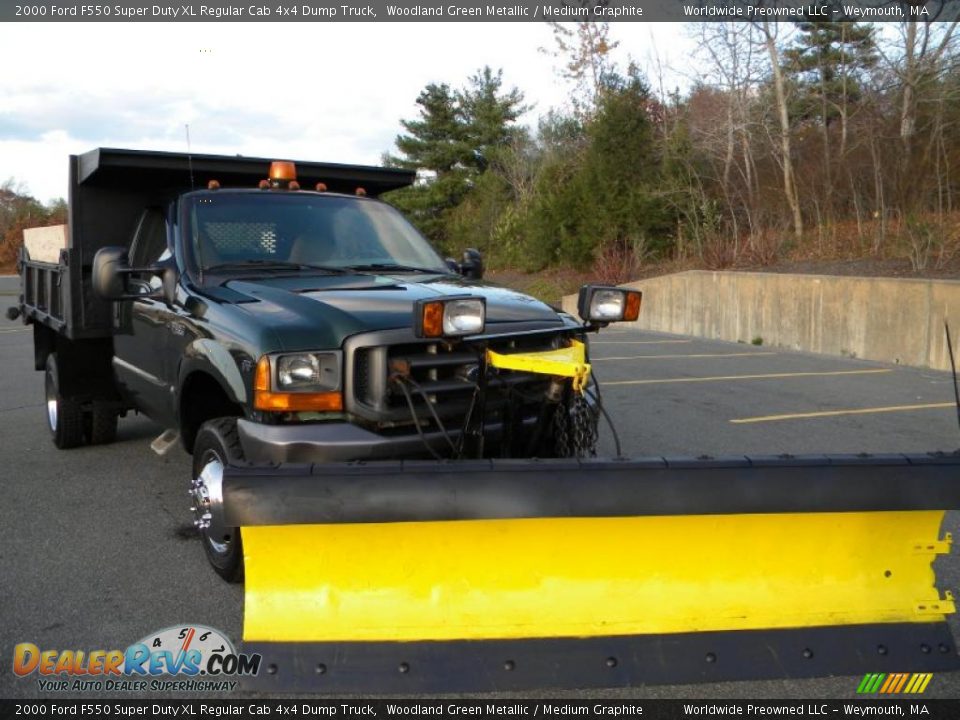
340, 442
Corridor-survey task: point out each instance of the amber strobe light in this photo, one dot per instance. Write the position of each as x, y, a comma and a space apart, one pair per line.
265, 399
283, 170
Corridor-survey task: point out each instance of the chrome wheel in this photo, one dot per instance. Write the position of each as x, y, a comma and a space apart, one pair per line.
206, 491
51, 405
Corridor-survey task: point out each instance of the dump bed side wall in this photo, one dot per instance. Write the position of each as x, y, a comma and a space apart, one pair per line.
61, 296
100, 217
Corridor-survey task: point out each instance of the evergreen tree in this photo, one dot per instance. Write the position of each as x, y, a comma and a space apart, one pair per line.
437, 140
488, 116
828, 63
451, 144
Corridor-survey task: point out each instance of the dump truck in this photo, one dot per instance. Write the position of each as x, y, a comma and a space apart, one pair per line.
399, 459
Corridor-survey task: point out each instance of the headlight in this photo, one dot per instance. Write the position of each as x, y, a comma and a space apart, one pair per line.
463, 317
298, 382
608, 304
308, 371
454, 317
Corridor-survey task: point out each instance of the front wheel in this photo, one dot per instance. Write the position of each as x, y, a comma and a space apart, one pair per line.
64, 414
217, 446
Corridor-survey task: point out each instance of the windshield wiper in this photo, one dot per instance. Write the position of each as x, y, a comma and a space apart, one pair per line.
395, 267
268, 265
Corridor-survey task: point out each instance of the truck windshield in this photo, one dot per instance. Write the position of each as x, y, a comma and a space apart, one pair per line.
266, 232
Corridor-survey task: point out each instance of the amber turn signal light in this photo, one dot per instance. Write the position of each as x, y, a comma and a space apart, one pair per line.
431, 319
631, 310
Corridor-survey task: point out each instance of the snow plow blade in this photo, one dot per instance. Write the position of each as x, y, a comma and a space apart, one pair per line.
404, 577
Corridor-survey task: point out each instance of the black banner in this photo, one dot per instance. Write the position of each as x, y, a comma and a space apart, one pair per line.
476, 10
559, 708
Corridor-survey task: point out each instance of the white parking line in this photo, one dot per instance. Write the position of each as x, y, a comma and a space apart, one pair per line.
676, 357
768, 376
837, 413
639, 342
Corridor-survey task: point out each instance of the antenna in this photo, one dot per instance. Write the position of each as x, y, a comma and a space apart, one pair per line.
953, 368
193, 185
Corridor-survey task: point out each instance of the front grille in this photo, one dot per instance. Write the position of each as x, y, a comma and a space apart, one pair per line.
445, 375
361, 387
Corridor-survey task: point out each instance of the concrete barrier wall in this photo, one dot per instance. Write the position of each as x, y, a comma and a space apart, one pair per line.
887, 319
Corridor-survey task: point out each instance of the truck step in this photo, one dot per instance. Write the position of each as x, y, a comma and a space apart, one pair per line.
166, 440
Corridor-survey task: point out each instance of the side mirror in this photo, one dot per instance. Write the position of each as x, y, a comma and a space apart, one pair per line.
111, 266
111, 271
471, 267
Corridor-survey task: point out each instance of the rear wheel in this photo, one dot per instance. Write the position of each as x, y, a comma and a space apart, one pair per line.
100, 422
64, 414
217, 446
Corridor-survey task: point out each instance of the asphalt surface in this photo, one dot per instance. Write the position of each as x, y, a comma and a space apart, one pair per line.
97, 547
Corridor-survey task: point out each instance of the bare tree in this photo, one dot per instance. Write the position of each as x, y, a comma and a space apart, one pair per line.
584, 50
769, 34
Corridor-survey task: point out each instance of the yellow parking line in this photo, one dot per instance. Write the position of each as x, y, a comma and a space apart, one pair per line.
835, 413
639, 342
768, 376
675, 357
12, 330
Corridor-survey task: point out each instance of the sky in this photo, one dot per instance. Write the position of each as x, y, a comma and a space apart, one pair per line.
312, 91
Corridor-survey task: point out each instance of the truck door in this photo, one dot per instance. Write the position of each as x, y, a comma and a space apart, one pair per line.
141, 344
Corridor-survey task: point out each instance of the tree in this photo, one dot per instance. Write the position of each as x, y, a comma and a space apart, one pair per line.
19, 210
584, 49
783, 116
488, 115
828, 63
453, 142
437, 140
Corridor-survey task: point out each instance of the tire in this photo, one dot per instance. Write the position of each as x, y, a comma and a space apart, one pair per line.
217, 443
64, 414
100, 423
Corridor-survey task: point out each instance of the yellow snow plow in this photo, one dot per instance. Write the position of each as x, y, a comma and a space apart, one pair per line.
428, 576
473, 575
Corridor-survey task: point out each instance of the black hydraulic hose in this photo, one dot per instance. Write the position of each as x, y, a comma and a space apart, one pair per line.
416, 421
603, 411
953, 367
433, 412
466, 422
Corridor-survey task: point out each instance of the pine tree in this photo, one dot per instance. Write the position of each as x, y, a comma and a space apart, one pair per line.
828, 64
451, 143
488, 116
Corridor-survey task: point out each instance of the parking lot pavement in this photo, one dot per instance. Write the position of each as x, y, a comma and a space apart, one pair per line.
97, 548
686, 396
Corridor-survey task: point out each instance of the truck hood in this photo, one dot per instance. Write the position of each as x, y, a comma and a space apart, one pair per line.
322, 311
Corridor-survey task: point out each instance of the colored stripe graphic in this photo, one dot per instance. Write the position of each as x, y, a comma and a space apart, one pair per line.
894, 683
877, 679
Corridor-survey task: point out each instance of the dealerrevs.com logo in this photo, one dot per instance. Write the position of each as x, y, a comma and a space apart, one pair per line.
199, 657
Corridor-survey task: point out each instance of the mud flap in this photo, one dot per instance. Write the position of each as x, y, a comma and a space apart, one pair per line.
431, 577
